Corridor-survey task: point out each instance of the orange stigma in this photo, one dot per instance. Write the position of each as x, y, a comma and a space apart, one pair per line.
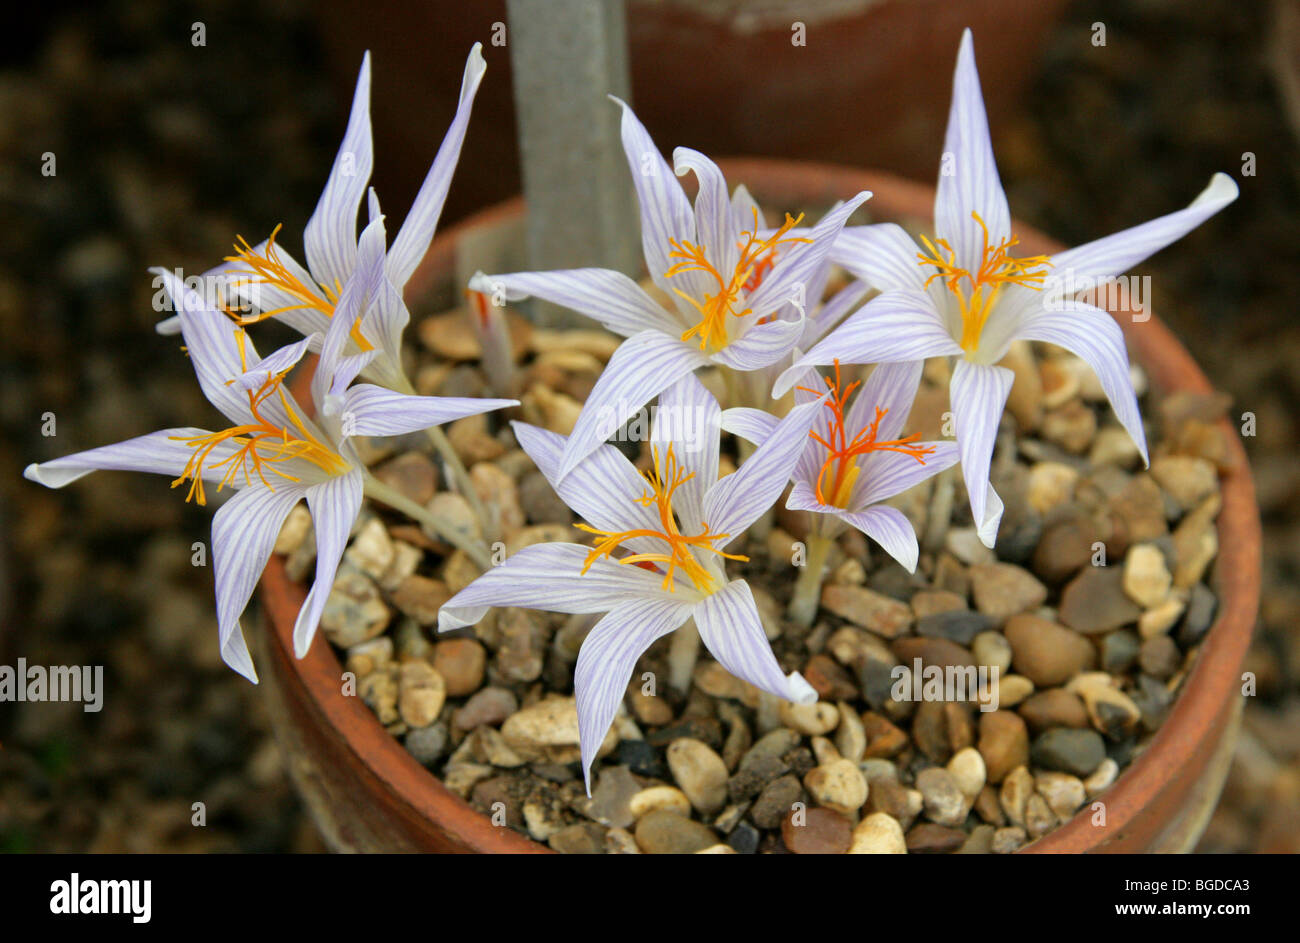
279, 444
267, 268
664, 480
997, 268
839, 471
757, 257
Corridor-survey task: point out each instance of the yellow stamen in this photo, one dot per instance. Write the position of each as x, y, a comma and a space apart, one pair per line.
664, 480
267, 268
279, 443
757, 256
996, 269
839, 471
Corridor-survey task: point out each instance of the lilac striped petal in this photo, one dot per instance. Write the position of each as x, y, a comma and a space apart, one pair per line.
730, 628
978, 394
715, 226
891, 387
800, 263
968, 176
744, 209
689, 418
826, 318
549, 576
883, 255
1117, 253
606, 296
885, 474
331, 234
243, 532
752, 425
890, 528
740, 498
274, 364
605, 664
334, 504
210, 340
644, 365
161, 453
1094, 335
412, 240
336, 370
761, 346
665, 212
603, 489
895, 326
264, 296
374, 410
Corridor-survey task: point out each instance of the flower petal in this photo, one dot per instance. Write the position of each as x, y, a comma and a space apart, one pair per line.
978, 395
715, 226
605, 663
891, 387
895, 326
337, 368
1112, 255
412, 240
883, 255
374, 410
890, 528
752, 425
829, 315
549, 576
331, 234
739, 499
689, 419
606, 296
665, 212
1094, 335
243, 532
732, 631
761, 346
968, 177
886, 474
644, 365
334, 504
161, 453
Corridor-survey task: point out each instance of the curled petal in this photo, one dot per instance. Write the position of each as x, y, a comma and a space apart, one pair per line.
731, 629
978, 394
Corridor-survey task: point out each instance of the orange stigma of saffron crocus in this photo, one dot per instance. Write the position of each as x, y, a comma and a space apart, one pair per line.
757, 257
996, 269
261, 444
664, 480
839, 471
267, 268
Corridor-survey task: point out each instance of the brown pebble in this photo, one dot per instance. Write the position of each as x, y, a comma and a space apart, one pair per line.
1003, 743
816, 831
928, 838
461, 662
1046, 653
1054, 707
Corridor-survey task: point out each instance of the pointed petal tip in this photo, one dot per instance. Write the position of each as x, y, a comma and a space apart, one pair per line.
800, 691
33, 473
1220, 188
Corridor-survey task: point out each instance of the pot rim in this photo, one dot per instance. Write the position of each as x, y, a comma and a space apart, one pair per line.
1184, 740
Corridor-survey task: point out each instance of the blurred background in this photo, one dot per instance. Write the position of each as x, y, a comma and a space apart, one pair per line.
165, 147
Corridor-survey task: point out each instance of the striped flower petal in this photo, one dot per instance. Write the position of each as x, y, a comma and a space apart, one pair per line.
160, 453
375, 410
607, 297
890, 528
883, 255
732, 631
978, 394
334, 504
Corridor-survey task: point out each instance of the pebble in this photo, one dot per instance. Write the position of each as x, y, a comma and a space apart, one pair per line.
422, 692
1010, 690
956, 625
964, 543
667, 833
354, 612
889, 796
837, 785
851, 734
1014, 795
978, 842
1095, 602
931, 838
420, 597
1110, 710
988, 808
1119, 651
426, 744
584, 838
932, 651
1060, 383
368, 656
1050, 485
1072, 427
521, 650
929, 602
775, 801
744, 838
1025, 401
992, 650
817, 832
1008, 840
1003, 743
1039, 819
828, 678
945, 803
1160, 657
489, 706
1147, 579
1162, 618
700, 773
1065, 548
968, 771
1114, 446
883, 737
461, 662
1055, 707
1046, 653
1201, 608
869, 609
659, 798
1064, 793
1102, 778
371, 550
1186, 479
1070, 751
548, 723
878, 834
611, 800
648, 708
1002, 590
813, 720
618, 841
411, 473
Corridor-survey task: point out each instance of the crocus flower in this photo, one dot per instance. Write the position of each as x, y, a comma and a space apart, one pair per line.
728, 280
272, 454
965, 294
856, 456
675, 524
274, 284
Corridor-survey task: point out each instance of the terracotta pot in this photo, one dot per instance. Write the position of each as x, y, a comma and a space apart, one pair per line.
368, 794
721, 76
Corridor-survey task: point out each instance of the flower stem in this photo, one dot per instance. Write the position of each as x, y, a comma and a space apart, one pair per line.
474, 549
808, 588
683, 652
459, 474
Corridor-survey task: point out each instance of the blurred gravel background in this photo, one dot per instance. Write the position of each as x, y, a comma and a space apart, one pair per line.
165, 150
